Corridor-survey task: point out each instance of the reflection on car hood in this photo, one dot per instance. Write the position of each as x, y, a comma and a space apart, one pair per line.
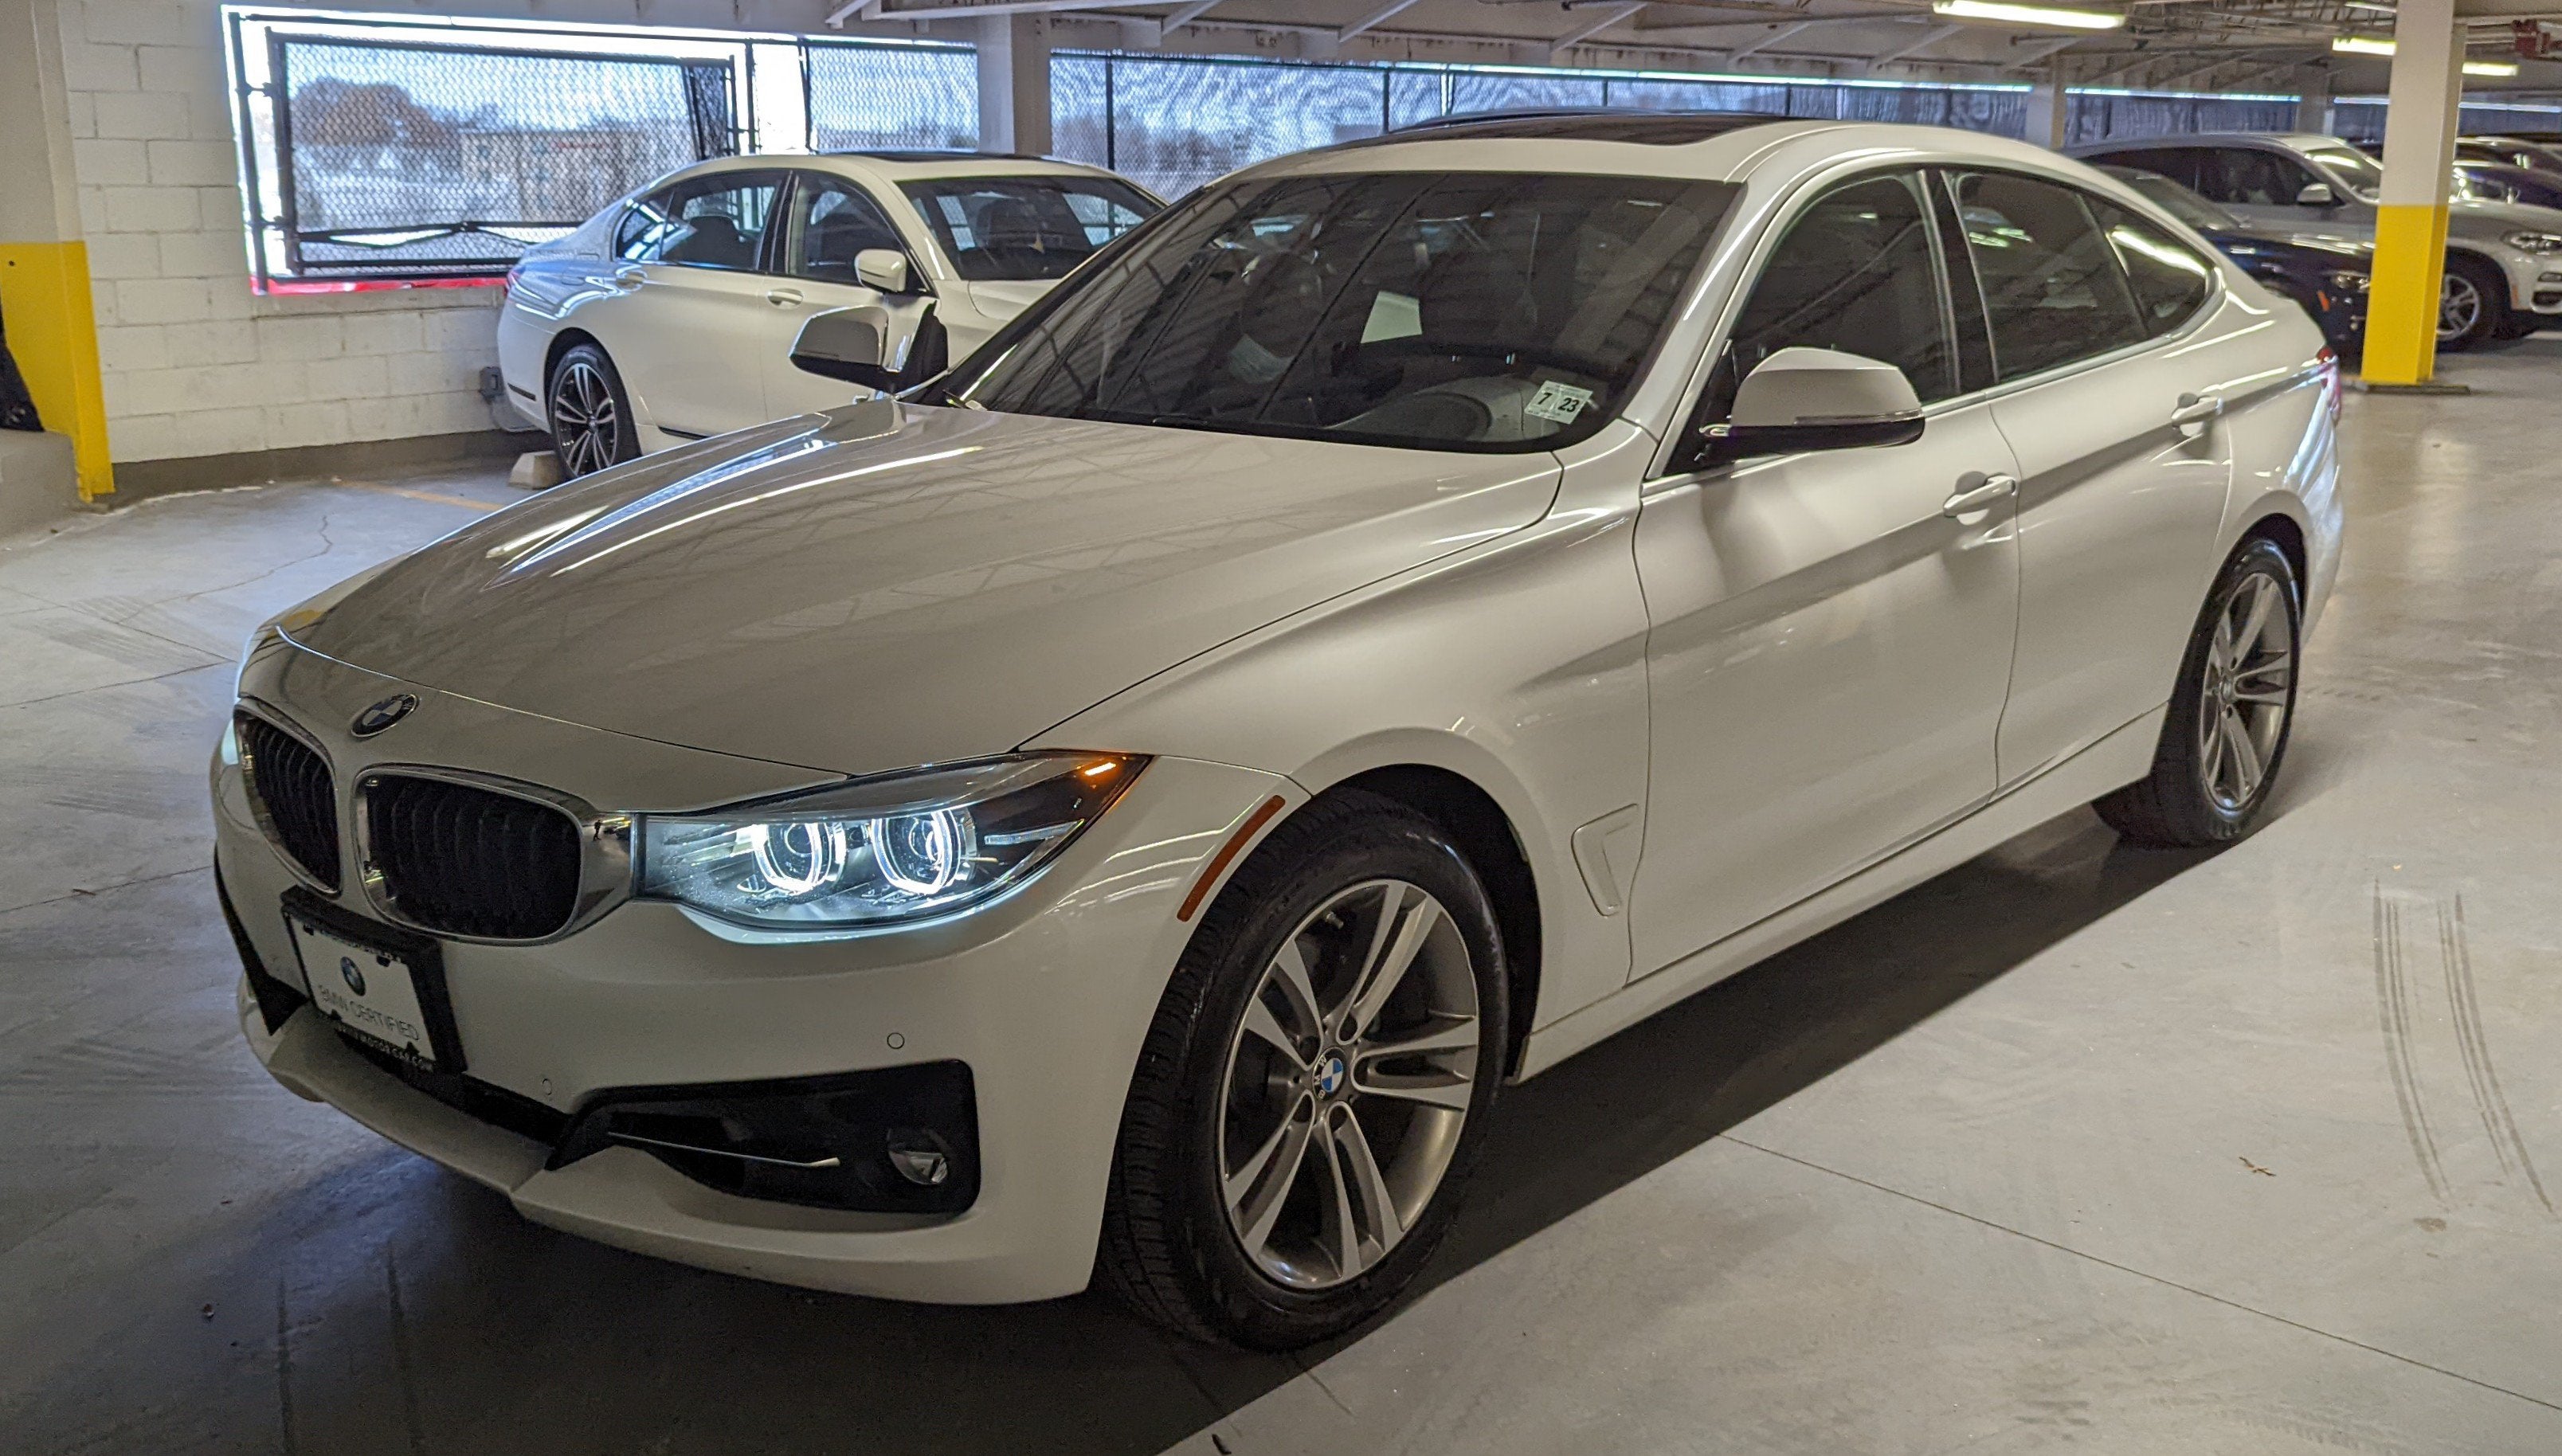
2354, 248
2325, 247
2492, 220
885, 586
1005, 297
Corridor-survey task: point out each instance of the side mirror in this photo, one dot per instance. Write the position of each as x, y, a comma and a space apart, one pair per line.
884, 268
852, 344
1802, 399
2317, 194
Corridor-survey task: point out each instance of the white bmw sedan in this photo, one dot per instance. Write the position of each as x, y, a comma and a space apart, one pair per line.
668, 317
1126, 808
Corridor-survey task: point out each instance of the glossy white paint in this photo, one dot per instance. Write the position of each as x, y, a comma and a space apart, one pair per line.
1829, 659
1767, 694
703, 351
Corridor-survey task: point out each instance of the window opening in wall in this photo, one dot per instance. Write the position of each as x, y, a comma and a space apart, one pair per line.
380, 151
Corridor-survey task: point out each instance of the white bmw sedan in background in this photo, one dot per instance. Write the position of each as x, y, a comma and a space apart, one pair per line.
668, 317
1414, 609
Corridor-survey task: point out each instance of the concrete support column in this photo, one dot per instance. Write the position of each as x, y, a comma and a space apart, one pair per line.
1013, 84
2312, 99
44, 264
2411, 221
2049, 110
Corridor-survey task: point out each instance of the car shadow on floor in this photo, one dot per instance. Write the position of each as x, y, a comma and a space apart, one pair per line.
389, 1306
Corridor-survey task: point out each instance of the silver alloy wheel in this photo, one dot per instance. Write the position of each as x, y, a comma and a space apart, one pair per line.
1347, 1083
2460, 305
586, 428
2249, 678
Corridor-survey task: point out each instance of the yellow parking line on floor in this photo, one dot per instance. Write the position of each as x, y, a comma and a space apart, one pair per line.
430, 496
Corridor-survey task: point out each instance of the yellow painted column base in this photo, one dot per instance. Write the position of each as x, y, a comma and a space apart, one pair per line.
2402, 299
53, 334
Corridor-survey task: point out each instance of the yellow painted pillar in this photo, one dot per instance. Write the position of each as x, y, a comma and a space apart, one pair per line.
44, 265
2419, 122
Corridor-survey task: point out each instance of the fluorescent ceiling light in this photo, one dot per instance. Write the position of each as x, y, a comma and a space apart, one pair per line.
2368, 5
2378, 45
2027, 14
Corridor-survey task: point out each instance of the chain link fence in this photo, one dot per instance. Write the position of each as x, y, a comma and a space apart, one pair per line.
400, 158
891, 97
418, 158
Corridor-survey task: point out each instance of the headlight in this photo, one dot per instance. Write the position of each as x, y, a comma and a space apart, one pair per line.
2349, 283
883, 851
2532, 242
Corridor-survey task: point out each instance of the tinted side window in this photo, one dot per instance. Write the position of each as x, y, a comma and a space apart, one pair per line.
705, 221
2242, 177
2178, 163
1855, 271
2053, 292
831, 221
2171, 281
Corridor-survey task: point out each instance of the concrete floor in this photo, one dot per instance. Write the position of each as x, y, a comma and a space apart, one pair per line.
2077, 1146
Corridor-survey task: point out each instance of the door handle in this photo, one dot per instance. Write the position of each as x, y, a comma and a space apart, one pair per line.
630, 277
783, 298
1968, 501
2196, 409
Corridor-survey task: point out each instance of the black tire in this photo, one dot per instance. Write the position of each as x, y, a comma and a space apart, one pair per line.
2176, 806
1169, 1249
590, 414
2486, 321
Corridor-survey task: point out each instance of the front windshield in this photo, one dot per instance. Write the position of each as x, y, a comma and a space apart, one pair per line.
1469, 311
1027, 229
2178, 201
2362, 174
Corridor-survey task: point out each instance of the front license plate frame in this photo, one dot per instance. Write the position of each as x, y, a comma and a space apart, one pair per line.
307, 915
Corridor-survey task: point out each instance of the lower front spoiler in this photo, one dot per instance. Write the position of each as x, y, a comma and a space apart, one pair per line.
629, 1198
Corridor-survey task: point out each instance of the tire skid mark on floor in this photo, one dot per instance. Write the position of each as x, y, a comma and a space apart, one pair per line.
2498, 1120
2400, 1011
94, 1066
2393, 1006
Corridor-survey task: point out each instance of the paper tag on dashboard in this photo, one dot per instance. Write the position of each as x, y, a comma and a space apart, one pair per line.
1557, 402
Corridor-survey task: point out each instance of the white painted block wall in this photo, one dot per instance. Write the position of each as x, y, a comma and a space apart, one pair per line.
195, 364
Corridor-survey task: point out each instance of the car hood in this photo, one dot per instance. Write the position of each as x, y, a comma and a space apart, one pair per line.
1005, 297
2315, 248
2491, 221
887, 585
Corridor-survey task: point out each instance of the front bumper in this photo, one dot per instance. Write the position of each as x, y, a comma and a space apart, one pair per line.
1044, 997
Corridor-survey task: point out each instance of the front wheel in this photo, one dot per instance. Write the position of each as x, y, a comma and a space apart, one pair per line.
1314, 1086
591, 416
2230, 714
2473, 303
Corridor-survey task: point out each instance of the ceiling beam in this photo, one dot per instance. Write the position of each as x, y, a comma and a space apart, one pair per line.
1932, 36
1773, 38
1378, 17
1661, 21
1185, 16
954, 9
1608, 17
2039, 52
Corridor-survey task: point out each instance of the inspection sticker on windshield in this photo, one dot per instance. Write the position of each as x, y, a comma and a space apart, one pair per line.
1557, 402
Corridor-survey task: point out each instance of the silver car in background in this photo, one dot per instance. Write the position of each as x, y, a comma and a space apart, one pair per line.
2504, 275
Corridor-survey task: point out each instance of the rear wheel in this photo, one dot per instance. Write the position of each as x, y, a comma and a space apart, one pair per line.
591, 417
2230, 714
1315, 1084
2473, 303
